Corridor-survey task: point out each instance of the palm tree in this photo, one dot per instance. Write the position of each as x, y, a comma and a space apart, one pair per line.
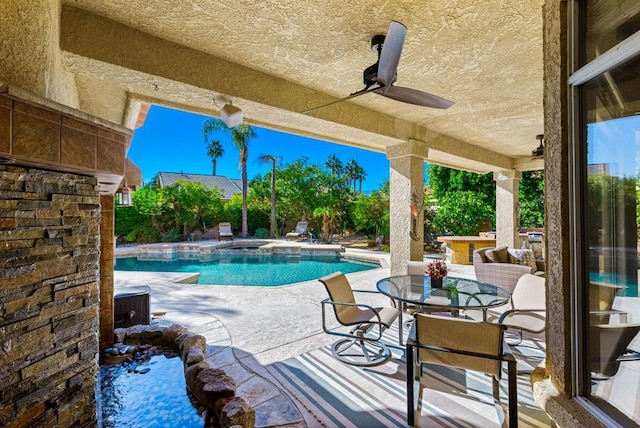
264, 159
215, 151
240, 135
360, 176
351, 171
334, 164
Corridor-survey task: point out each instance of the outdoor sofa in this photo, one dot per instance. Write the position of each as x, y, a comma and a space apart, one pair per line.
499, 266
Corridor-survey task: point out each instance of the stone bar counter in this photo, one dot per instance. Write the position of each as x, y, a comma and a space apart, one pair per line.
460, 248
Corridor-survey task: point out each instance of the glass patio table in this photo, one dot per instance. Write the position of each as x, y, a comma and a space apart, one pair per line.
454, 294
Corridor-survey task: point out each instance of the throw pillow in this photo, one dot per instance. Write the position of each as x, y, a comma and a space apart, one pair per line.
522, 257
498, 255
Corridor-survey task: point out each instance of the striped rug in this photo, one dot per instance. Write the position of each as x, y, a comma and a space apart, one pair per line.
340, 395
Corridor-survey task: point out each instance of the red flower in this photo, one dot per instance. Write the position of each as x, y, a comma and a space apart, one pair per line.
436, 269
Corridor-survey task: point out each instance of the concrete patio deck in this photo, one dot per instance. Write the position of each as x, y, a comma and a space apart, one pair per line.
251, 327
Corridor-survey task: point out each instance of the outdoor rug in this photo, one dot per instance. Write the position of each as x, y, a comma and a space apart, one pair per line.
340, 395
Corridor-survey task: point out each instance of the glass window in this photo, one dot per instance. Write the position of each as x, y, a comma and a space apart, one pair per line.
609, 22
611, 113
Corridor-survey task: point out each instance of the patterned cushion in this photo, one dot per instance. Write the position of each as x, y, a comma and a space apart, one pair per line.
498, 255
522, 257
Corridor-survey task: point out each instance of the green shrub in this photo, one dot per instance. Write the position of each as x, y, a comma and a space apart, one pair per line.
171, 236
460, 213
127, 220
132, 236
262, 233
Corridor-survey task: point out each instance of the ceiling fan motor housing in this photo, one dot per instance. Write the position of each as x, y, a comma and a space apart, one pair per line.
370, 75
376, 44
539, 151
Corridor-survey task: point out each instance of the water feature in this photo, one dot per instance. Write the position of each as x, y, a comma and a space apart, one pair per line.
150, 393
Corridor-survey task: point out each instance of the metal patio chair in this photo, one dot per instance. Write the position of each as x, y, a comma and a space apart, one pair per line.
361, 346
461, 343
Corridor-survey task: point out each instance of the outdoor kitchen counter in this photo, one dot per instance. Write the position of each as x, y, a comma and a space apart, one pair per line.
460, 248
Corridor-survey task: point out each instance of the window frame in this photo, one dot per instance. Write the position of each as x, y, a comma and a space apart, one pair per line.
578, 76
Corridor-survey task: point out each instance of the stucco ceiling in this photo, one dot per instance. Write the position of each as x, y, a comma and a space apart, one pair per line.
278, 58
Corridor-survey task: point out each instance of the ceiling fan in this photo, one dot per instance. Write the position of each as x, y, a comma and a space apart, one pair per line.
539, 151
380, 77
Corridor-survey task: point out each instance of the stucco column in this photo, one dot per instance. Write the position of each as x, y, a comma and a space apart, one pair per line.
406, 181
507, 215
107, 262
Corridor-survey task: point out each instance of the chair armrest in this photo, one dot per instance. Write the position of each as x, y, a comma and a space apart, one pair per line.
366, 291
328, 301
622, 315
533, 320
504, 268
474, 296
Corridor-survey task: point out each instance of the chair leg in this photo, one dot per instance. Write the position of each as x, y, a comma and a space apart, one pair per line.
411, 408
513, 393
371, 353
366, 352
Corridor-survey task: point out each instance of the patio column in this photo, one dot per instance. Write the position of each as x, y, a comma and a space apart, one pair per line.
406, 182
507, 212
107, 262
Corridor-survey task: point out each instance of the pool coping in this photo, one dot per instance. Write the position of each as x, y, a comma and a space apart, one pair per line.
267, 246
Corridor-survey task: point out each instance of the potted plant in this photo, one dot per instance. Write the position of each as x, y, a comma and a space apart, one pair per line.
436, 270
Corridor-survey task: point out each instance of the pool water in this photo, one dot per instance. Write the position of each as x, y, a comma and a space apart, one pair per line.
249, 268
157, 398
630, 284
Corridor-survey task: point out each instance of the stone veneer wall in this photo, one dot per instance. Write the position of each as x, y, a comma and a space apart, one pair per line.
49, 297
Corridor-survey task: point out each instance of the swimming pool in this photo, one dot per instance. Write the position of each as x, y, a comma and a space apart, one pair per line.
249, 268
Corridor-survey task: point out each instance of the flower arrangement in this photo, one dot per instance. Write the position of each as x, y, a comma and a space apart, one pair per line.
436, 269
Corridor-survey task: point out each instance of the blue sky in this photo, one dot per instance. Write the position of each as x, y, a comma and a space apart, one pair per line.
610, 142
172, 141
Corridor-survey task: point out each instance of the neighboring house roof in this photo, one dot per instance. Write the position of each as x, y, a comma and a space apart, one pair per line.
228, 186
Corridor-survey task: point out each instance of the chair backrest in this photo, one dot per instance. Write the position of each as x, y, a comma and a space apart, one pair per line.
301, 227
224, 227
339, 289
529, 293
415, 268
460, 338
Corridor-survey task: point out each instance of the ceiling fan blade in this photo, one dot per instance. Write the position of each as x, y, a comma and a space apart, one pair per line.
413, 96
355, 94
391, 50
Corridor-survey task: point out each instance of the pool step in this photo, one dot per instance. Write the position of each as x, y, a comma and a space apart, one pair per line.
301, 249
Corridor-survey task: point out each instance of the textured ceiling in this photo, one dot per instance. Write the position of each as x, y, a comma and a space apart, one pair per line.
486, 56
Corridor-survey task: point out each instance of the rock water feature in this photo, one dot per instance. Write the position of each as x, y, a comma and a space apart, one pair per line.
149, 370
133, 398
